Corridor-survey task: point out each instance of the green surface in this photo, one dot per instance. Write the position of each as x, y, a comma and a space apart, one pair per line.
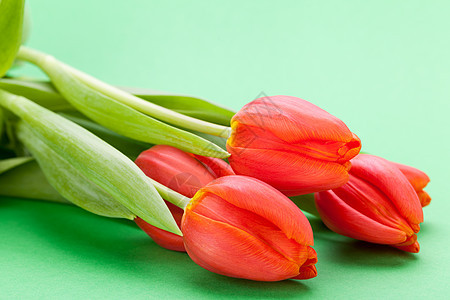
381, 66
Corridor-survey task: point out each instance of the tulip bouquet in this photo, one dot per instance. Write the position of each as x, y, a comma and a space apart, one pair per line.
197, 177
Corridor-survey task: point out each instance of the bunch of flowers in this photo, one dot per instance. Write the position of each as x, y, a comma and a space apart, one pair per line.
197, 177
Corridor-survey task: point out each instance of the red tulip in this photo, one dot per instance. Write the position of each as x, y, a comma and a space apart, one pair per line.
183, 173
378, 205
291, 144
419, 181
241, 227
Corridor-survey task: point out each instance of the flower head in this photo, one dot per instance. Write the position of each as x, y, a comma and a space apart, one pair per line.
291, 144
241, 227
378, 204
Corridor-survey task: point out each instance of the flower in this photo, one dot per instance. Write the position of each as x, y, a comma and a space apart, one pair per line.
241, 227
182, 172
418, 180
291, 144
378, 204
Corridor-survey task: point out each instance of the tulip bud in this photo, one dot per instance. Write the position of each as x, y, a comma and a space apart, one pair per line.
291, 144
241, 227
378, 204
182, 172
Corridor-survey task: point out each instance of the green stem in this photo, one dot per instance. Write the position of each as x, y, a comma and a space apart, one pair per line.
41, 59
170, 195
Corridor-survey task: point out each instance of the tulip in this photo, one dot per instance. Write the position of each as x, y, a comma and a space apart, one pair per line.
378, 204
291, 144
182, 172
419, 181
241, 227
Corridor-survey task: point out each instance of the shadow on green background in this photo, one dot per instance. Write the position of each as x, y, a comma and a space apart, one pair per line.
59, 246
358, 253
58, 234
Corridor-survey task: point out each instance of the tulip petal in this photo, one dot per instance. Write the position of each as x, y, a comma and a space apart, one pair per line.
291, 173
213, 207
413, 248
229, 251
261, 201
308, 269
368, 200
312, 257
293, 119
161, 237
382, 174
343, 219
249, 137
409, 241
306, 272
182, 172
416, 177
410, 245
424, 198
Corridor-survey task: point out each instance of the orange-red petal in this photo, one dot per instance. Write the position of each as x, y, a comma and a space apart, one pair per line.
306, 272
230, 251
161, 237
390, 180
291, 173
413, 248
424, 198
175, 169
418, 179
213, 207
370, 201
345, 220
261, 199
293, 119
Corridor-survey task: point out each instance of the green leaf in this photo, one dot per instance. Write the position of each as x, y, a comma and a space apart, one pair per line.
27, 181
221, 142
115, 115
68, 181
26, 29
41, 92
126, 120
11, 23
96, 160
187, 105
131, 148
10, 163
44, 93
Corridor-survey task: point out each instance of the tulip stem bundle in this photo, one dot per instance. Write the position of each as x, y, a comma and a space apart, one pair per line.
45, 62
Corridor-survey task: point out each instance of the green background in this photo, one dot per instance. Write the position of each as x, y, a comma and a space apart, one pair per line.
381, 66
